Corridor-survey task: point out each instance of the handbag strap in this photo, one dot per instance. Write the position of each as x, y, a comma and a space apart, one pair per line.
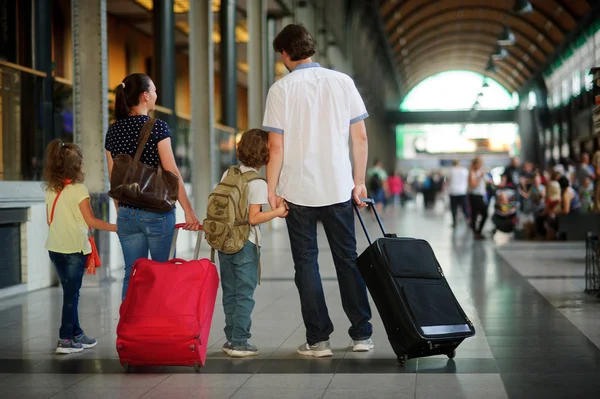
66, 182
143, 138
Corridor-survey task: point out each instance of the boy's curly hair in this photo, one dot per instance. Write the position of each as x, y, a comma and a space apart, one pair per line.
63, 161
253, 150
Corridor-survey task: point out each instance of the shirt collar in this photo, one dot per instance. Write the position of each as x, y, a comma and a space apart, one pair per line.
308, 65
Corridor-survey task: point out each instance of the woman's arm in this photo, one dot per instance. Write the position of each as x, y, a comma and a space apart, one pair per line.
111, 163
167, 159
92, 221
566, 202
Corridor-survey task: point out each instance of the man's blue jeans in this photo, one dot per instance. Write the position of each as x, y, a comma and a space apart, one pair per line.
70, 269
338, 222
239, 277
142, 231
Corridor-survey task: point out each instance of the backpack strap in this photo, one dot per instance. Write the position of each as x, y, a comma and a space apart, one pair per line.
251, 175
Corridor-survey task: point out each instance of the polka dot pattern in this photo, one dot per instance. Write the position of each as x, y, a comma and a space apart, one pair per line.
122, 138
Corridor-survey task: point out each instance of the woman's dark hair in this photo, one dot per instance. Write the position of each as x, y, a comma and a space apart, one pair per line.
563, 182
253, 150
128, 93
296, 41
63, 161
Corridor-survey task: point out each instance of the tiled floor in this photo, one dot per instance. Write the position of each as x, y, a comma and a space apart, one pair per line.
535, 334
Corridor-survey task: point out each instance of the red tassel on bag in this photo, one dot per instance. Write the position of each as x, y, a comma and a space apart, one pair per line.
93, 259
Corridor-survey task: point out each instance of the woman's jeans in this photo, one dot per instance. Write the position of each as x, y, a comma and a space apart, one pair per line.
142, 231
239, 276
70, 269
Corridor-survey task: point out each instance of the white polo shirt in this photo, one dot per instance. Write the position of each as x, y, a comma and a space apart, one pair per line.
313, 108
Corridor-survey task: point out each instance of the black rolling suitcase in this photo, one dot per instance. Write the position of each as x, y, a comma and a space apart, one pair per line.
419, 311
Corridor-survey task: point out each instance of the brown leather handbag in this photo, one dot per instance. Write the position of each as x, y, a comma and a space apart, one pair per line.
137, 184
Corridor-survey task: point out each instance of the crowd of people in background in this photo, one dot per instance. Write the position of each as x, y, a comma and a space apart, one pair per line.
528, 201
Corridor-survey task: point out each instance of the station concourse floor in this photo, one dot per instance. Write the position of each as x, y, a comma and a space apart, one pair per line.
538, 335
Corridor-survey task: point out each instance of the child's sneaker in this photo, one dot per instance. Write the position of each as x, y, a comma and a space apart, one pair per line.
85, 341
227, 347
67, 346
244, 351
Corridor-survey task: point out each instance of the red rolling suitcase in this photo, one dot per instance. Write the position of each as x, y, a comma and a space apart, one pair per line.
167, 312
419, 311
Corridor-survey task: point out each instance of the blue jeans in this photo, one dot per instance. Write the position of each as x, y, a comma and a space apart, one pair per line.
338, 222
239, 276
142, 231
70, 269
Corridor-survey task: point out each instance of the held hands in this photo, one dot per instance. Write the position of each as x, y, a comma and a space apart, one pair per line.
360, 191
279, 204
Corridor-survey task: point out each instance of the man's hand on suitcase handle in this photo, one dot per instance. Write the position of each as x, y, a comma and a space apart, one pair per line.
184, 225
359, 195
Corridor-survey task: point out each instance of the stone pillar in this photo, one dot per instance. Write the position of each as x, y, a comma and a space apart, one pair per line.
257, 23
202, 98
271, 55
228, 63
163, 58
90, 112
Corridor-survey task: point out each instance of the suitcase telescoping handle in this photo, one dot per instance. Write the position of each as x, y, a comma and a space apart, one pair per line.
371, 204
178, 227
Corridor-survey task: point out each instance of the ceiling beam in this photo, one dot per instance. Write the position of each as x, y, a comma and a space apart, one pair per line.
450, 117
468, 35
458, 45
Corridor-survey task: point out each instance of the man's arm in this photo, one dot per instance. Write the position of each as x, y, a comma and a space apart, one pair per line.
274, 166
360, 151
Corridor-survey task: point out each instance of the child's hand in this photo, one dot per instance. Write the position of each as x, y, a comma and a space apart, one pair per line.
282, 208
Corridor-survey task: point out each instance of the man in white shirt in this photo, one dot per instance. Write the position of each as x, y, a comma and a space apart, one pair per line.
310, 115
457, 190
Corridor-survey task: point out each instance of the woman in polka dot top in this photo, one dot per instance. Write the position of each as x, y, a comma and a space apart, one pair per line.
141, 231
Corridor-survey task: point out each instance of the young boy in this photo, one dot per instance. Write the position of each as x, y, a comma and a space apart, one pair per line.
239, 271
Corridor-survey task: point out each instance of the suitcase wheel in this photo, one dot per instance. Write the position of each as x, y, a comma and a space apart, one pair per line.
402, 359
451, 355
127, 367
196, 367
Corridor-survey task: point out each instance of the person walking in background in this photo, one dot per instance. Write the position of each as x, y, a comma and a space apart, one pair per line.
395, 187
458, 183
143, 230
477, 194
377, 178
69, 217
311, 115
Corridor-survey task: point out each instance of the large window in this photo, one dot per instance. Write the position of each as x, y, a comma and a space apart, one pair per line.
453, 91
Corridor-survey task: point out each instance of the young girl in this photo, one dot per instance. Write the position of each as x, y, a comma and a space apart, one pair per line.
239, 271
69, 217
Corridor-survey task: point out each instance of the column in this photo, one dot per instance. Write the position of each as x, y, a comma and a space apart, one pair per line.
228, 63
90, 112
256, 62
163, 58
43, 63
202, 99
271, 55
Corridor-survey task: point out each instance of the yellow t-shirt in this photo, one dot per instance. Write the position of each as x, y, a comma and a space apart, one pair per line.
68, 232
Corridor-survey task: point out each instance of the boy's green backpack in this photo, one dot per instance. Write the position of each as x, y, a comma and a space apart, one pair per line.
226, 226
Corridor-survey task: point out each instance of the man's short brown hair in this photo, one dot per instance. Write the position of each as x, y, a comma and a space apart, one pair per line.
296, 41
253, 150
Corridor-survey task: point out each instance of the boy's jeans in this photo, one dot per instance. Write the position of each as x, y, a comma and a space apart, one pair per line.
142, 231
239, 277
70, 269
338, 223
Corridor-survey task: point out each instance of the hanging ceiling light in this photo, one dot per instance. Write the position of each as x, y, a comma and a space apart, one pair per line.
506, 37
490, 67
485, 85
522, 7
500, 54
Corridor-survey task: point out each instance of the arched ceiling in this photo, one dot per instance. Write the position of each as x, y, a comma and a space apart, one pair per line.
432, 36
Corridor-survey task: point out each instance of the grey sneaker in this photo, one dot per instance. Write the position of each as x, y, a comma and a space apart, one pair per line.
227, 347
363, 345
243, 351
320, 349
85, 341
67, 346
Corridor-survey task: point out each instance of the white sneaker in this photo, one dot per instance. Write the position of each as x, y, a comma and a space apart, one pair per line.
363, 345
320, 349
